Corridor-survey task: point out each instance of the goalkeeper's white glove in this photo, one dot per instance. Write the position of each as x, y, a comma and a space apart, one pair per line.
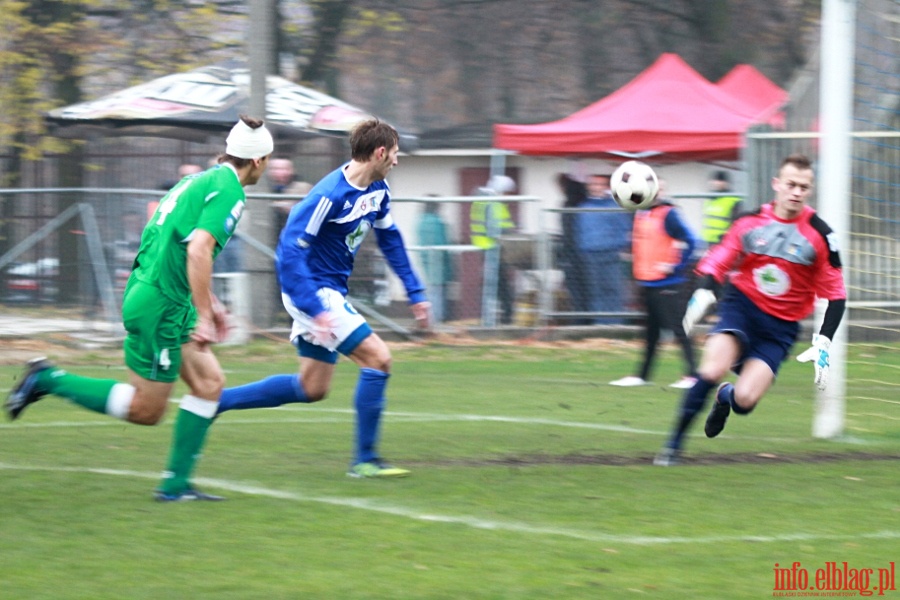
818, 353
698, 307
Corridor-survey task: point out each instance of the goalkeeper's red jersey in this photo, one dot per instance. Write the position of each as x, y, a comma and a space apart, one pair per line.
782, 266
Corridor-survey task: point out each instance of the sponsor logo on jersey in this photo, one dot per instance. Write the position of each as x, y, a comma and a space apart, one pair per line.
355, 239
233, 217
365, 204
771, 280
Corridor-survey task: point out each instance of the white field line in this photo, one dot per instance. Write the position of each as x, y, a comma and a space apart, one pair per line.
468, 521
403, 417
397, 418
876, 415
884, 400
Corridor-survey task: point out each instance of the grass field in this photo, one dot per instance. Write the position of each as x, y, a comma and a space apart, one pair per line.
532, 479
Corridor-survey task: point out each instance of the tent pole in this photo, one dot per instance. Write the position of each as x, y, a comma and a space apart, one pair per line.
259, 220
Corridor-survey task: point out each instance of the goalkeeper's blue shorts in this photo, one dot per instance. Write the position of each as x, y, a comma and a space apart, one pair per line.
761, 335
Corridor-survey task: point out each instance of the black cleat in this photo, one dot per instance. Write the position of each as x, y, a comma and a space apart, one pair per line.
26, 391
186, 496
718, 414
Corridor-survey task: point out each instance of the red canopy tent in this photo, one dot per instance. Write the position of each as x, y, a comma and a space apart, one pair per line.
668, 112
757, 91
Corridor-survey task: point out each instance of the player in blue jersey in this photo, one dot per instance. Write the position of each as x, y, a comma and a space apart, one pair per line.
313, 261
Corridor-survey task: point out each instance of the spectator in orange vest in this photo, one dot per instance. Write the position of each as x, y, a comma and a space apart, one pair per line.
661, 247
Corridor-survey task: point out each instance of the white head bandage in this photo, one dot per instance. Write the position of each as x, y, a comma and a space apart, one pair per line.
246, 142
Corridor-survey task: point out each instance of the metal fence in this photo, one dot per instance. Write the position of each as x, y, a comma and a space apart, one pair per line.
72, 248
527, 280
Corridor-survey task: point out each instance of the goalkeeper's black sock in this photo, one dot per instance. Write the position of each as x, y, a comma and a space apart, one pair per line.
726, 396
693, 402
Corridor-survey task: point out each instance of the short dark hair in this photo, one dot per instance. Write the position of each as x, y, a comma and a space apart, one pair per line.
800, 161
252, 122
722, 176
370, 135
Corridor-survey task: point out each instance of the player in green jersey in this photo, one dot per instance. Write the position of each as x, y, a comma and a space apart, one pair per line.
170, 313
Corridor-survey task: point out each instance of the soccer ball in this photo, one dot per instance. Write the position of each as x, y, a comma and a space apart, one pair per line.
634, 185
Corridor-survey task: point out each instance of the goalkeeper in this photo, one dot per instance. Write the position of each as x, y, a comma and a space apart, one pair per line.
777, 260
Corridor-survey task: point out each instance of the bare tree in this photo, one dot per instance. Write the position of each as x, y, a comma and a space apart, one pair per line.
330, 19
421, 63
435, 63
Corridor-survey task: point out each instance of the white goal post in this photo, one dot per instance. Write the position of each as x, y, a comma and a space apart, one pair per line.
836, 79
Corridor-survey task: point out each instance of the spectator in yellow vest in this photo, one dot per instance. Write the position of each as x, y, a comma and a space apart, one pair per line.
488, 220
719, 211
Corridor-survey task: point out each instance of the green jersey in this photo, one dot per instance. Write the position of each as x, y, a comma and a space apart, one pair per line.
212, 201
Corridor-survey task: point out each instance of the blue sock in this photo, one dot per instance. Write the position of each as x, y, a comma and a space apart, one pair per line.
693, 402
266, 393
369, 402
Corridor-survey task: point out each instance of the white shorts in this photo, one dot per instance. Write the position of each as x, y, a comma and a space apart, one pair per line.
346, 319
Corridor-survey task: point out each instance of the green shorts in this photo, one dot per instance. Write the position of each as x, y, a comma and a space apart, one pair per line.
157, 327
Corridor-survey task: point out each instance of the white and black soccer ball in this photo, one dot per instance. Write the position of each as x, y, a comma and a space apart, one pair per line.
634, 185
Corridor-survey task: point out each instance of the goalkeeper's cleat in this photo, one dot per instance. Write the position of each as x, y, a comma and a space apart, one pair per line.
718, 414
187, 495
376, 469
27, 391
667, 457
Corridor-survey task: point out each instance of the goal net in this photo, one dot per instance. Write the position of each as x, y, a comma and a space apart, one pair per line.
858, 172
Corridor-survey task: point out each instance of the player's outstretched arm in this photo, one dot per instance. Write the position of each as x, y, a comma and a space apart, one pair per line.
390, 242
819, 352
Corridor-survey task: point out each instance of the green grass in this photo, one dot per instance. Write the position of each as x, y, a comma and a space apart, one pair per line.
531, 480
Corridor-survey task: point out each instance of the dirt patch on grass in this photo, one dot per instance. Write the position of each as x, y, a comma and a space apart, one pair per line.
621, 460
464, 339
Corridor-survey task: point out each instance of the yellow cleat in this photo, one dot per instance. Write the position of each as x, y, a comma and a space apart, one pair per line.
376, 469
